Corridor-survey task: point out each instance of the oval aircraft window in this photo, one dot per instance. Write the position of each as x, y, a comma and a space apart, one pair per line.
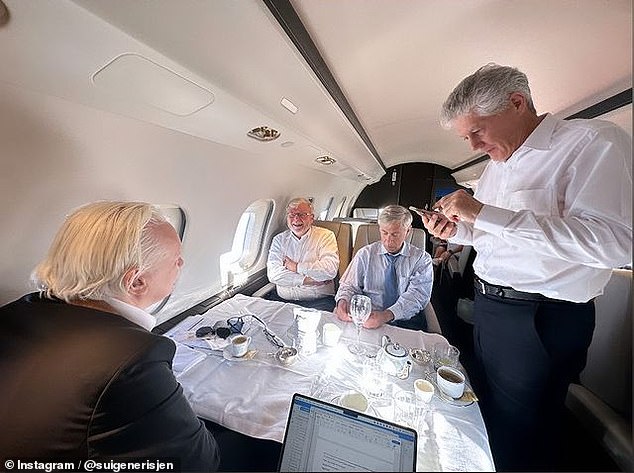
323, 215
247, 243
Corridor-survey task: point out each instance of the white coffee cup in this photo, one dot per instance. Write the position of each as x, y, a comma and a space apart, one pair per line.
424, 390
239, 345
354, 400
450, 381
330, 334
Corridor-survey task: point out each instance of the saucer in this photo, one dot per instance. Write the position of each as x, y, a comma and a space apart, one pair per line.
370, 410
226, 353
467, 398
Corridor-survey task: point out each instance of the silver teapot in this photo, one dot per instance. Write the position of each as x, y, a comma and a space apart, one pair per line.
394, 358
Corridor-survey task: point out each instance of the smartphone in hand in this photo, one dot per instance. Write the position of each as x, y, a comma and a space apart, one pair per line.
421, 212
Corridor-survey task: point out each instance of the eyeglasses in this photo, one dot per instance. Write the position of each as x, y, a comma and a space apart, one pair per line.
301, 215
222, 329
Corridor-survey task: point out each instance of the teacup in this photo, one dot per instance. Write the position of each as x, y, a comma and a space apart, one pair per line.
330, 334
424, 390
450, 381
239, 345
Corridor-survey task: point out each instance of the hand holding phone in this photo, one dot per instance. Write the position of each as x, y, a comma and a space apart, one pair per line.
425, 212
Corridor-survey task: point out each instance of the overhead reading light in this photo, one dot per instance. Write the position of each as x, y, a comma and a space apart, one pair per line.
264, 133
288, 105
326, 160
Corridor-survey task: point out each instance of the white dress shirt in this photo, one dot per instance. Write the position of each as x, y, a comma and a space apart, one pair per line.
557, 215
366, 275
132, 313
317, 257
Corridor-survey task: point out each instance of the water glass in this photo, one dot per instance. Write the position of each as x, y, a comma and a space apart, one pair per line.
445, 355
374, 379
406, 410
360, 308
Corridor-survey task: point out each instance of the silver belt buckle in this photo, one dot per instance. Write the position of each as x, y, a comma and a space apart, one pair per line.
484, 289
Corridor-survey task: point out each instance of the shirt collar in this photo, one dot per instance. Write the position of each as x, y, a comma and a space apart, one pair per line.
404, 250
305, 235
132, 313
541, 136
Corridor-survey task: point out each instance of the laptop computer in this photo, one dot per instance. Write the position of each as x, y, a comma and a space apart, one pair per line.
321, 436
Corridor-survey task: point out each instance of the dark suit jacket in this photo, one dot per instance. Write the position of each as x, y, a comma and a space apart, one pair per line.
79, 383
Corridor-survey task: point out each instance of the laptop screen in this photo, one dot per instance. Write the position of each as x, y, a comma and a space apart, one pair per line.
325, 437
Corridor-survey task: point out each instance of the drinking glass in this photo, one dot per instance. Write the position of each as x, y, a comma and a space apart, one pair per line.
406, 411
445, 355
360, 308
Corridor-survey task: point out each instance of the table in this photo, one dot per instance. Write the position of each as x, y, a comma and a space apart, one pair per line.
253, 396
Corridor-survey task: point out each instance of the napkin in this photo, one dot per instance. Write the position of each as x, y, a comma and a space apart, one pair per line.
185, 358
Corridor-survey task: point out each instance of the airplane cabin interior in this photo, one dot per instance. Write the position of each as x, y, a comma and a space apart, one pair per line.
220, 112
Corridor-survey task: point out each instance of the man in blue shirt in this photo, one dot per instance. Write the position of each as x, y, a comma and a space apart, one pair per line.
396, 275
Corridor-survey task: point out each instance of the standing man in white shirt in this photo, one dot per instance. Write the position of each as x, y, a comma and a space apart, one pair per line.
303, 260
370, 271
551, 217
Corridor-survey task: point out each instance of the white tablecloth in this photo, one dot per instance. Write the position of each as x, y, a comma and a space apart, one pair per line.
253, 396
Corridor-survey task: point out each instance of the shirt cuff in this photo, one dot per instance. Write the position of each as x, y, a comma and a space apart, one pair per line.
397, 311
493, 219
301, 268
462, 233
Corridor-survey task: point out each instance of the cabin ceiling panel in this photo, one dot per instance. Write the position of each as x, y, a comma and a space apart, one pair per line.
56, 48
396, 61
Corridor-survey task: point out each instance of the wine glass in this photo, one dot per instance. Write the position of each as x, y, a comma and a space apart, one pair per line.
360, 308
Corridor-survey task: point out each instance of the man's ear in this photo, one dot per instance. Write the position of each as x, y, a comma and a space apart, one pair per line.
135, 282
518, 101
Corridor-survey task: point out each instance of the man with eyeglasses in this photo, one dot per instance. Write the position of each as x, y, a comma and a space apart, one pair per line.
303, 260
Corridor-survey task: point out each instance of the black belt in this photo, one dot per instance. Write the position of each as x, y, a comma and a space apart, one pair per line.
506, 292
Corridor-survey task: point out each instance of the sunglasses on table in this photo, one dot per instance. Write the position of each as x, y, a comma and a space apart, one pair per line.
222, 329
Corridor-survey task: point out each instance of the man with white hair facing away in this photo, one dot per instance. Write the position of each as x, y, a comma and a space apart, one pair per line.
82, 375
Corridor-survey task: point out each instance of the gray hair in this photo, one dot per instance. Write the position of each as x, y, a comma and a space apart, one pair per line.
486, 92
395, 213
300, 200
96, 246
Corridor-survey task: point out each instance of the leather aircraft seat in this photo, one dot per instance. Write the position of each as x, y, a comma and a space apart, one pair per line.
343, 234
369, 233
603, 400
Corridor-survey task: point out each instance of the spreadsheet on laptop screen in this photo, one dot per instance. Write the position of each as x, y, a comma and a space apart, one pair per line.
324, 437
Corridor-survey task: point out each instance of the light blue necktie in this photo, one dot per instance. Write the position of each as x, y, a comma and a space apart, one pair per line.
391, 282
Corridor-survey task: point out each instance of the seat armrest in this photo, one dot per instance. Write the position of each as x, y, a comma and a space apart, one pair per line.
613, 431
433, 326
264, 290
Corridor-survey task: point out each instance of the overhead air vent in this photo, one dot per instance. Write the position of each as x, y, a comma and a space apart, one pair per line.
264, 133
139, 79
326, 160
